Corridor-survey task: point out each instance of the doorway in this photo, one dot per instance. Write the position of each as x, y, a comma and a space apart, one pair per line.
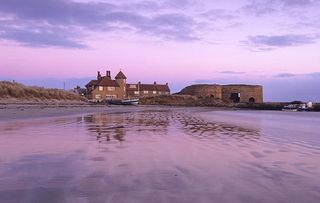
252, 100
235, 97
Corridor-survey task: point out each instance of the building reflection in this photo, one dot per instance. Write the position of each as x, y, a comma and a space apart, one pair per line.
116, 126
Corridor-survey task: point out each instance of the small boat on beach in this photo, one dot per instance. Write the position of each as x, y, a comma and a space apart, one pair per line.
130, 102
296, 107
123, 102
289, 108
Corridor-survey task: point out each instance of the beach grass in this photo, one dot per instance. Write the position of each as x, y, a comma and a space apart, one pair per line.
17, 91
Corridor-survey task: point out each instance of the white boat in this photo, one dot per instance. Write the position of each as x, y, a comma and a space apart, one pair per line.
130, 102
123, 102
296, 107
290, 107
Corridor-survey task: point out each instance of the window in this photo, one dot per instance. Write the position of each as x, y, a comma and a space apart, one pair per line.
133, 86
160, 92
111, 88
154, 92
111, 96
98, 96
100, 88
136, 92
145, 92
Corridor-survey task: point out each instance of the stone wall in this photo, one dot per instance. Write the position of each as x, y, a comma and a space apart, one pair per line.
228, 93
214, 91
247, 93
183, 100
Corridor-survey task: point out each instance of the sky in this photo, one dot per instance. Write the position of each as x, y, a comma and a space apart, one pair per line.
275, 43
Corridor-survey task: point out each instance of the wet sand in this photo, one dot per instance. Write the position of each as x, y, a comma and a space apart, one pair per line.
21, 111
160, 154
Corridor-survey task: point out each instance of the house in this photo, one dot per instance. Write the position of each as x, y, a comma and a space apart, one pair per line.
147, 90
78, 90
105, 88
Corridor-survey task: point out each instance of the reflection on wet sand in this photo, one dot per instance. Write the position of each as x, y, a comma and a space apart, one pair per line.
162, 155
107, 126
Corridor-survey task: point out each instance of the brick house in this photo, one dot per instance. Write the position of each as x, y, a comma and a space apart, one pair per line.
104, 88
146, 90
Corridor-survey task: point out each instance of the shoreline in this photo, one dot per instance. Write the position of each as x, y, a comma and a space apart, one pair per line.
17, 111
12, 112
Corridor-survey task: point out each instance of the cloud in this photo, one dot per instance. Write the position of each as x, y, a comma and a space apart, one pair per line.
220, 14
259, 8
203, 81
38, 36
68, 23
232, 72
298, 2
314, 75
266, 43
262, 7
285, 75
290, 75
58, 20
178, 3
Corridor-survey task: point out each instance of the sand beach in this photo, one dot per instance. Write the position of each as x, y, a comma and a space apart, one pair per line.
157, 154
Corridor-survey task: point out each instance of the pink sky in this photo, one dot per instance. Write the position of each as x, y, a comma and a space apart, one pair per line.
178, 41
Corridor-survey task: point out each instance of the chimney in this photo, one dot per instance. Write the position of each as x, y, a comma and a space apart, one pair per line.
99, 75
155, 83
108, 74
167, 84
139, 83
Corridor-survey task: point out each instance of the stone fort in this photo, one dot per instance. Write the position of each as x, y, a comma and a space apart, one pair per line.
237, 93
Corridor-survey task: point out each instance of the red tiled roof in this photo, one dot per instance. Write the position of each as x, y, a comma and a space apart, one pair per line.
120, 75
132, 88
163, 88
148, 87
106, 81
92, 82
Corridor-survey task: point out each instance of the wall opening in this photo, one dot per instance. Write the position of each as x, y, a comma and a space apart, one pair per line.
235, 97
252, 100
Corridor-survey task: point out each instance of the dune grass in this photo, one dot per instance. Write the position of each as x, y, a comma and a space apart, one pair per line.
10, 90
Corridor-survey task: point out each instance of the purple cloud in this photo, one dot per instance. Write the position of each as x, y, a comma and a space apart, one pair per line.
55, 19
232, 72
285, 75
290, 75
263, 7
266, 43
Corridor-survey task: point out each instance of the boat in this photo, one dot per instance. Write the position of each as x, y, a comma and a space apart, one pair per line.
114, 102
130, 102
290, 107
123, 102
296, 107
